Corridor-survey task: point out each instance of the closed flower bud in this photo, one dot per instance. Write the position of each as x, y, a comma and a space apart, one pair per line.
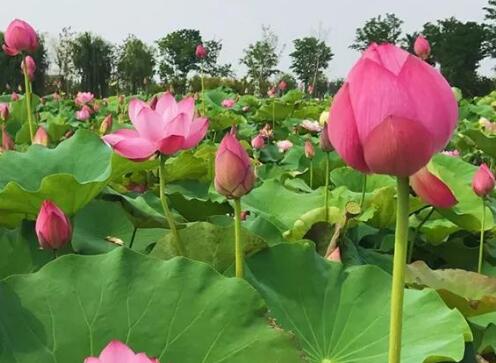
106, 125
53, 228
325, 142
234, 176
258, 142
432, 190
200, 51
19, 37
4, 111
14, 96
28, 65
7, 140
118, 352
41, 137
422, 47
483, 181
309, 150
282, 85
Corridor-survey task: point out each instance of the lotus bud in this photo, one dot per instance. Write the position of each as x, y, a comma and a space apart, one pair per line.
271, 92
309, 150
29, 66
325, 142
422, 47
258, 142
53, 228
228, 103
41, 137
106, 125
234, 176
200, 51
282, 85
7, 140
4, 111
14, 96
483, 181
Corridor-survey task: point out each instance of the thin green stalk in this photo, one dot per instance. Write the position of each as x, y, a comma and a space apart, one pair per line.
237, 239
364, 188
132, 237
417, 230
481, 245
204, 112
168, 214
326, 195
311, 173
27, 90
273, 114
400, 251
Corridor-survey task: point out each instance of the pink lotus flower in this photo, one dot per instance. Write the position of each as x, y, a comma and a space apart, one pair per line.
4, 111
452, 153
83, 114
171, 127
228, 103
313, 126
234, 176
309, 150
421, 47
324, 141
335, 255
118, 352
7, 140
284, 145
19, 37
53, 228
82, 98
106, 124
392, 114
258, 142
432, 190
96, 106
200, 51
271, 92
14, 96
30, 65
282, 85
153, 102
483, 181
41, 137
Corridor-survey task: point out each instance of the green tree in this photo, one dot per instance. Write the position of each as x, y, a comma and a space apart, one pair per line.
261, 59
93, 57
459, 47
63, 59
490, 17
380, 29
309, 59
211, 64
11, 76
135, 64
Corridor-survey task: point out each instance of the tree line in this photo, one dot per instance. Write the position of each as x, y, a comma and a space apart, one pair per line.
89, 62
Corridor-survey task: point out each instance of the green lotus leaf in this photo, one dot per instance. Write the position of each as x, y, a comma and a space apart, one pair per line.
342, 315
486, 143
178, 311
71, 175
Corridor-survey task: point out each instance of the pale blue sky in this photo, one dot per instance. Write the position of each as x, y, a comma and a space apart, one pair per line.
237, 22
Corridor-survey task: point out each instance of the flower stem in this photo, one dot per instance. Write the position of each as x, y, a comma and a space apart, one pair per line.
481, 245
132, 238
168, 214
326, 191
400, 250
311, 173
27, 90
417, 230
237, 239
364, 188
204, 112
273, 114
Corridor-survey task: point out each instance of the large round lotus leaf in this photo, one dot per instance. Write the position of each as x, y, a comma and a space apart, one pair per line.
342, 315
178, 311
484, 142
70, 175
469, 292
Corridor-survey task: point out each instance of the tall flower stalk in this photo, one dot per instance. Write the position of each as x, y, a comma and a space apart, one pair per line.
28, 96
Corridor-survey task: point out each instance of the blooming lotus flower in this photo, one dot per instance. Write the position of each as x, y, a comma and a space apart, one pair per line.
324, 142
309, 150
392, 114
432, 190
153, 102
228, 103
4, 111
82, 98
483, 181
53, 228
200, 51
106, 124
312, 126
421, 47
171, 127
118, 352
30, 65
83, 114
7, 140
452, 153
284, 145
234, 176
41, 137
282, 85
258, 142
14, 96
19, 37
